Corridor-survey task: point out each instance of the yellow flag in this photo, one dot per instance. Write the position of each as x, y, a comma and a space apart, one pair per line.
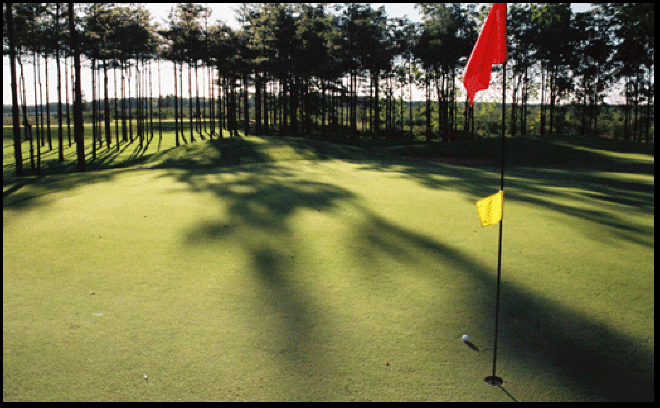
490, 209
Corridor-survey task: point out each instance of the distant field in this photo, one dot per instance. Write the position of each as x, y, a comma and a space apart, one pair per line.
288, 269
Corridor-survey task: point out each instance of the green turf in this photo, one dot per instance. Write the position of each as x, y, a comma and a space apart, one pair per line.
268, 269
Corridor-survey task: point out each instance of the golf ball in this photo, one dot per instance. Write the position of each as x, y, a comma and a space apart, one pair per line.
466, 338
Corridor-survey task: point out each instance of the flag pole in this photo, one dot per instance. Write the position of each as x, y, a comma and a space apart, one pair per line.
490, 49
494, 380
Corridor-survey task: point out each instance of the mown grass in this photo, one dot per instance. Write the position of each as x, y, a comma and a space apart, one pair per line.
285, 269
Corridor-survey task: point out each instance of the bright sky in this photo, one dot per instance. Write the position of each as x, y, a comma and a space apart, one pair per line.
225, 11
221, 11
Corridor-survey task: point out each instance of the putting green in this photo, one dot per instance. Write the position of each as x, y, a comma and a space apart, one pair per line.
326, 280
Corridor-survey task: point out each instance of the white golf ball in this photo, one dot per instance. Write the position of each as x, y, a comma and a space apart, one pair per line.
466, 338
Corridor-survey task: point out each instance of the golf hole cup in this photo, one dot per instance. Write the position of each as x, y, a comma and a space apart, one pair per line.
466, 338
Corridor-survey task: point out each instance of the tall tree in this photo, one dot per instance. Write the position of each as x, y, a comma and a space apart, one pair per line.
26, 28
553, 42
446, 40
591, 40
18, 153
258, 23
351, 21
173, 51
57, 36
376, 56
520, 52
78, 126
633, 26
313, 51
218, 35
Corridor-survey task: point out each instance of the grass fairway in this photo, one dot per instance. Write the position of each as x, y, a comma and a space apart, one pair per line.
305, 271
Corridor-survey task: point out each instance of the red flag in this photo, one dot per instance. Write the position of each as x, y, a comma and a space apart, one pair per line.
490, 49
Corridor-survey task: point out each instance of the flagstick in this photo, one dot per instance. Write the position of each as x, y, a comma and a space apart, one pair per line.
496, 380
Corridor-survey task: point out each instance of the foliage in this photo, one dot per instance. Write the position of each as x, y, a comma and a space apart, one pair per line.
308, 69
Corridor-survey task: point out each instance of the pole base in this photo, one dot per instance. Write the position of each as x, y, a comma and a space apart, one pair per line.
494, 381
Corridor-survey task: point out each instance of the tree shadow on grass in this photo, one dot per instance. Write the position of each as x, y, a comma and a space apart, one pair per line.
597, 180
56, 176
260, 202
543, 172
292, 334
17, 197
592, 358
586, 357
62, 176
558, 161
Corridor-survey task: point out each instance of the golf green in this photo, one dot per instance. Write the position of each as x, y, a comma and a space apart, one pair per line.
330, 279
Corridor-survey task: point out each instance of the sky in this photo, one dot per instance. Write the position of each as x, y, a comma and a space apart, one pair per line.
225, 11
220, 11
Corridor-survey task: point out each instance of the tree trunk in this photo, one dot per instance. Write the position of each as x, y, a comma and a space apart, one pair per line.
93, 109
514, 101
130, 107
124, 125
77, 102
68, 112
232, 108
220, 106
246, 105
26, 123
648, 113
42, 133
257, 103
37, 75
151, 104
376, 104
553, 92
183, 136
212, 92
523, 113
138, 102
60, 131
116, 103
198, 114
160, 103
190, 105
176, 108
626, 112
50, 140
18, 152
428, 110
293, 99
543, 79
266, 128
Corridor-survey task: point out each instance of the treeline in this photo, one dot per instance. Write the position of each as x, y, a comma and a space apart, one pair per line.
409, 118
300, 69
